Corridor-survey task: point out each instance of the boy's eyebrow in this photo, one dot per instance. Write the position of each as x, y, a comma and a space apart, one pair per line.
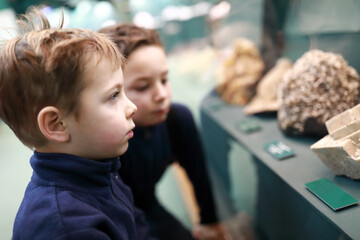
165, 72
147, 77
141, 79
118, 86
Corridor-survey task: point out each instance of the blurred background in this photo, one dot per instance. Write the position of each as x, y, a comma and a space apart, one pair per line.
177, 21
198, 36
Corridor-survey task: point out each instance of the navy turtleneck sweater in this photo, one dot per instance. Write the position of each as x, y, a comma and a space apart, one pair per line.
152, 150
70, 197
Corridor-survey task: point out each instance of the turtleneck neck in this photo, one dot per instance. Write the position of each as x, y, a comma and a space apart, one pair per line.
69, 170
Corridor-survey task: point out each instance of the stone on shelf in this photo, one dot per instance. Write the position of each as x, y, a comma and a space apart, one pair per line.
340, 150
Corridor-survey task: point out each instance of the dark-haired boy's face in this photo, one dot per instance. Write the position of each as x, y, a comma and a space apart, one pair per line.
147, 85
105, 121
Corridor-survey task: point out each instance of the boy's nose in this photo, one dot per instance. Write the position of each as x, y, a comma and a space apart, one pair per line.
160, 92
131, 109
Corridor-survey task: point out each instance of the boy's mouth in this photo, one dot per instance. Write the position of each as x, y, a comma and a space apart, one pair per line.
130, 134
161, 111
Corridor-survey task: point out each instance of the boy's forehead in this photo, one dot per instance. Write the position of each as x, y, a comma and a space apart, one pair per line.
98, 68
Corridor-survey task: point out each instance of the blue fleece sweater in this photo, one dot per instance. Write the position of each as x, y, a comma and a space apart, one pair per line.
70, 197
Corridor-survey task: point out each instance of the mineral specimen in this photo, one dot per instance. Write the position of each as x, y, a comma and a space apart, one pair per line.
319, 86
266, 99
340, 150
241, 73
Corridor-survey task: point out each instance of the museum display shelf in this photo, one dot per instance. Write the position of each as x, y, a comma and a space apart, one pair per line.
286, 209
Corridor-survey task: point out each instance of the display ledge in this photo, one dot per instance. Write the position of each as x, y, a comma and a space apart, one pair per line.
297, 170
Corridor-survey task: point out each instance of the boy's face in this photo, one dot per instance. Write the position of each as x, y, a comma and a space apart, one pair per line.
147, 85
105, 123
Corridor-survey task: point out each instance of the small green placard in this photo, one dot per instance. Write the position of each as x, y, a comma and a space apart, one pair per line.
331, 194
248, 125
279, 150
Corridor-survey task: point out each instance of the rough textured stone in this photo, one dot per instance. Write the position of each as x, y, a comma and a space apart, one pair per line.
241, 73
319, 86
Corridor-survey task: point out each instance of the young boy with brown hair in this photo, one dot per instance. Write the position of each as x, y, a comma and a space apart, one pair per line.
165, 132
62, 94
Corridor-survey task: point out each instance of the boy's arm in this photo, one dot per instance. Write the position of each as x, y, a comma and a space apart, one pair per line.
211, 232
188, 149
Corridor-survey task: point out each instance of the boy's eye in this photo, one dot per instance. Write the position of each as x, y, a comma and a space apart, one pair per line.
141, 88
164, 81
114, 96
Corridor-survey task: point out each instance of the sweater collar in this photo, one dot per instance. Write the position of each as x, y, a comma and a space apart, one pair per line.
69, 170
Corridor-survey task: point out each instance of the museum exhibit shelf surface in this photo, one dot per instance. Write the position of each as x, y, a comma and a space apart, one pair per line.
286, 209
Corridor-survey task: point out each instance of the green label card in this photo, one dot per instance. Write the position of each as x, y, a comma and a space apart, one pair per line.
248, 125
331, 194
279, 150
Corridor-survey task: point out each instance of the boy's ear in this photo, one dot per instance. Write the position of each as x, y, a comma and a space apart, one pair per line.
51, 125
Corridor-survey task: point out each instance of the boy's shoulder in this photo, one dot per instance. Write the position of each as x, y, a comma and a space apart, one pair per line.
51, 212
38, 216
180, 112
179, 107
180, 123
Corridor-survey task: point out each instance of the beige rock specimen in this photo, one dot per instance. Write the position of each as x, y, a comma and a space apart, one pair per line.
340, 150
266, 99
318, 87
241, 73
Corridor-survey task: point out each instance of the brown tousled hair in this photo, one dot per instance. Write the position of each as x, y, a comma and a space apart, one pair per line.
45, 66
129, 37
